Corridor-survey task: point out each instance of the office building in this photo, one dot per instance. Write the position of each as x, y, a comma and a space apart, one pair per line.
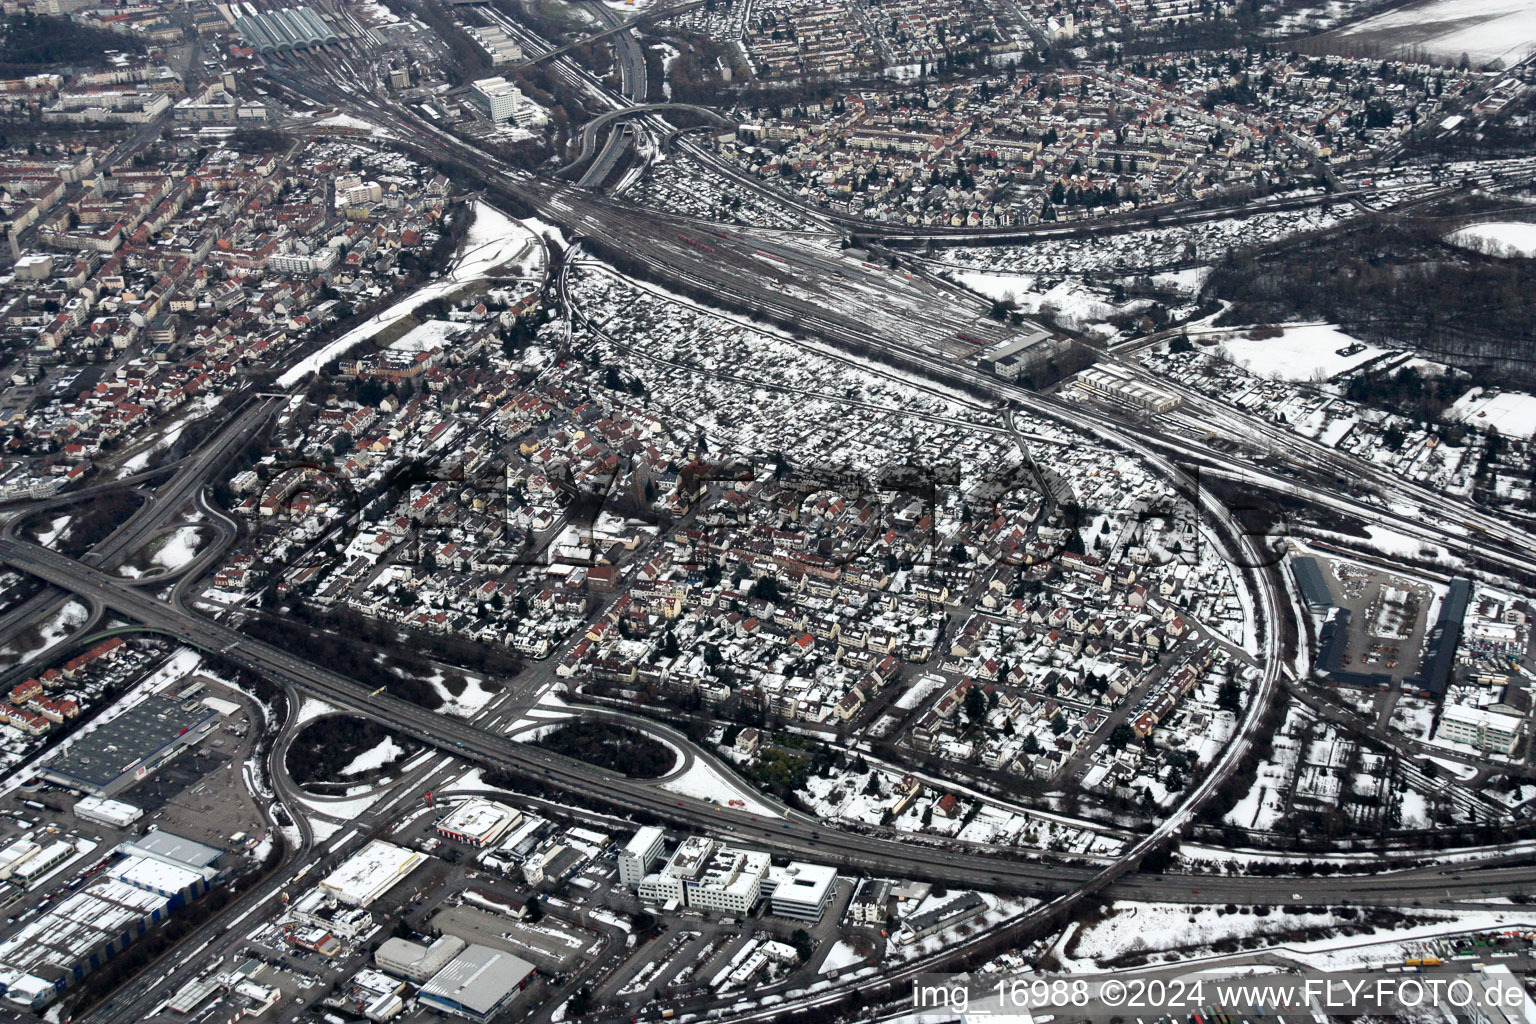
413, 961
1488, 731
639, 854
707, 876
504, 99
800, 890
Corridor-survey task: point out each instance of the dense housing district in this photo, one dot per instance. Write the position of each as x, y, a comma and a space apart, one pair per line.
597, 510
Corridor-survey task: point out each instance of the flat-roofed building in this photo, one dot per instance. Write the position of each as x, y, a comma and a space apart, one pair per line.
1019, 356
801, 890
415, 962
371, 872
1486, 730
707, 876
121, 752
111, 813
639, 854
1112, 383
479, 983
478, 822
504, 99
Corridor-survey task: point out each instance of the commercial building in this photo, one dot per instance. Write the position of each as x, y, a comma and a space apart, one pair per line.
639, 854
1028, 352
371, 872
552, 863
379, 996
478, 822
41, 863
498, 46
707, 876
1112, 383
319, 909
285, 29
111, 813
15, 855
413, 961
1314, 588
947, 915
1444, 636
504, 99
871, 902
87, 928
800, 890
121, 752
479, 983
1486, 730
170, 847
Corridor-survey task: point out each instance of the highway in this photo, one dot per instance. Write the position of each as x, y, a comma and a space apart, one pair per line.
157, 509
918, 326
955, 863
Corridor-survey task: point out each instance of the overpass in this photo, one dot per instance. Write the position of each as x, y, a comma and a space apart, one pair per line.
649, 17
191, 473
953, 862
592, 128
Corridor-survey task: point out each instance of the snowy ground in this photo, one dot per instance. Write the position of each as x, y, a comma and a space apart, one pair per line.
387, 752
1068, 302
62, 623
56, 527
704, 783
347, 121
493, 240
179, 548
1147, 927
467, 704
842, 955
311, 708
1499, 238
429, 335
1300, 353
1513, 413
1485, 30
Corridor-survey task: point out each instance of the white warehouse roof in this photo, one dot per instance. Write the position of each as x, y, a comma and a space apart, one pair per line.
371, 872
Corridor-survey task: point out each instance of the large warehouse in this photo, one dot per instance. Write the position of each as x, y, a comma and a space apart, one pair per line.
479, 983
371, 872
120, 752
146, 882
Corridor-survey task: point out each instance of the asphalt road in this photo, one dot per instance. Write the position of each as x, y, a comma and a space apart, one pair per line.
953, 862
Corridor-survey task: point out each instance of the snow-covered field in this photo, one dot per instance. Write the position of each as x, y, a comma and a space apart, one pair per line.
1068, 302
704, 783
1497, 238
842, 955
178, 549
1300, 353
347, 121
1485, 30
60, 625
1145, 927
1512, 412
387, 752
467, 704
429, 335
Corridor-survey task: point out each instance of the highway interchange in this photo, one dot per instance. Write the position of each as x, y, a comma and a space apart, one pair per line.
795, 281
